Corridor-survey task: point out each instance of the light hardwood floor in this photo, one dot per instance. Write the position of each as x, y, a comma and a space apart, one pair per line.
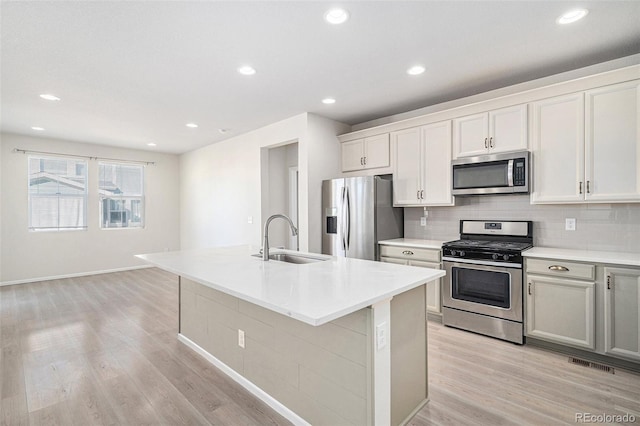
103, 350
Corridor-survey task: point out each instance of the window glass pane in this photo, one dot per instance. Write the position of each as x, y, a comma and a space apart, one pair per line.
122, 195
57, 193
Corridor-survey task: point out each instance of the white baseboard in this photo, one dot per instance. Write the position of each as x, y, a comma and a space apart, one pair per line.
80, 274
245, 383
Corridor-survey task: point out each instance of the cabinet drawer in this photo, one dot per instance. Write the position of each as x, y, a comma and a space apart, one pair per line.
432, 265
411, 253
394, 260
561, 268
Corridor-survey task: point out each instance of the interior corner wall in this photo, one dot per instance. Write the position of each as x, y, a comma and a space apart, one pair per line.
27, 255
323, 161
220, 184
220, 187
1, 149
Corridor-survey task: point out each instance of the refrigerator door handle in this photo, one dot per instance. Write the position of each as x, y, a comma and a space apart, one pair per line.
348, 221
343, 232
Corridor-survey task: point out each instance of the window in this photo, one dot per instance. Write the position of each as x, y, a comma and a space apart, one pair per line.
121, 191
57, 193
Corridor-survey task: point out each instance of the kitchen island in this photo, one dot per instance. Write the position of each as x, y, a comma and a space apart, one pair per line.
336, 341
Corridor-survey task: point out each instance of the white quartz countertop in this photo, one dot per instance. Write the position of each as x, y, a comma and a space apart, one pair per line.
414, 242
314, 293
608, 257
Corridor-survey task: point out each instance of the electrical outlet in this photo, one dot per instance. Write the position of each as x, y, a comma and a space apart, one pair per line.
381, 335
241, 338
423, 221
250, 219
570, 224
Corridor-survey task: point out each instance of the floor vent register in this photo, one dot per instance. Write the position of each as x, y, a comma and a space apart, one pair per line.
590, 364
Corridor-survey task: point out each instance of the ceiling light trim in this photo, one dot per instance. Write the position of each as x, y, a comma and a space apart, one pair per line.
49, 97
336, 16
572, 16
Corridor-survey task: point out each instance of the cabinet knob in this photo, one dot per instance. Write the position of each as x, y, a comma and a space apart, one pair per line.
529, 289
558, 268
486, 145
580, 187
407, 252
491, 142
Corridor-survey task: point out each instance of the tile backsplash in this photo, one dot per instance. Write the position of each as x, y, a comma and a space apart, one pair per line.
606, 227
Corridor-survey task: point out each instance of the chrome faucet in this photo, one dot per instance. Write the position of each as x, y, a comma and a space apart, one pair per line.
265, 245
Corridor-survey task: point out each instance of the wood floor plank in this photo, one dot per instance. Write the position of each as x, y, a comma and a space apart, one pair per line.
103, 350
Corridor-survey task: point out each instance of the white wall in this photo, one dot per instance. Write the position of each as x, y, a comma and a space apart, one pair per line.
220, 185
29, 255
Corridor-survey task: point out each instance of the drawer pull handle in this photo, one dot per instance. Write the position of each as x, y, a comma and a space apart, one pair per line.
558, 268
409, 252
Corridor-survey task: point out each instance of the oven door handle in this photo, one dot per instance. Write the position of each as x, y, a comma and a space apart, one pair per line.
482, 262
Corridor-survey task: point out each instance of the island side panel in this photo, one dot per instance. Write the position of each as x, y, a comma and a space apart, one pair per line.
321, 373
408, 354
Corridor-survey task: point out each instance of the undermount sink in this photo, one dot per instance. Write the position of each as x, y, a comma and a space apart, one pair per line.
294, 258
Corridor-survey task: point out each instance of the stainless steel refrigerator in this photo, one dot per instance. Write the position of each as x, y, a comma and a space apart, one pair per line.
357, 212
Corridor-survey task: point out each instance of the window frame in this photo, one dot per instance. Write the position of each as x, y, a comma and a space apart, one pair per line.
102, 197
84, 196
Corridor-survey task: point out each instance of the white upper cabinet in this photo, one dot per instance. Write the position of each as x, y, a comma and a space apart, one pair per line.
557, 139
500, 130
586, 146
612, 143
367, 153
422, 165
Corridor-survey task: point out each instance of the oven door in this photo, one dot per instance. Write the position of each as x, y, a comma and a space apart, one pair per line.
489, 289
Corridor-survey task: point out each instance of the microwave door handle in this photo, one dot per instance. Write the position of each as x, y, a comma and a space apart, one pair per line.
510, 173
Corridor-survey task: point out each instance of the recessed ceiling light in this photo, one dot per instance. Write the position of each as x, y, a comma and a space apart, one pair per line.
572, 16
223, 131
40, 129
49, 97
336, 16
191, 125
328, 101
151, 144
416, 70
246, 70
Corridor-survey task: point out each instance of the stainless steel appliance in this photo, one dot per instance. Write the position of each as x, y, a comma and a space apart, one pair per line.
506, 173
483, 290
357, 212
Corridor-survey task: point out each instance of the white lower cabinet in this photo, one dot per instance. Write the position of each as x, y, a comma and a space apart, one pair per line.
561, 310
590, 306
421, 257
622, 312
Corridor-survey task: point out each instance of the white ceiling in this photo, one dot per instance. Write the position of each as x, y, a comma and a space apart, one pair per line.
129, 73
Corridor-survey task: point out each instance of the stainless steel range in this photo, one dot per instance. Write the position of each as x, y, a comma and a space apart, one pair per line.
483, 291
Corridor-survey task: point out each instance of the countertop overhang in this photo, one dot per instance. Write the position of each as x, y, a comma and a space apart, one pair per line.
314, 293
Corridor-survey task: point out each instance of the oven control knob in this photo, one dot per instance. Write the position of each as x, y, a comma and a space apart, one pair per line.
461, 254
505, 257
495, 256
453, 252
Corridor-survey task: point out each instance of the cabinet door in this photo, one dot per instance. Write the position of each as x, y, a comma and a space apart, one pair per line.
376, 151
353, 155
436, 175
434, 303
508, 129
612, 146
407, 180
558, 150
470, 135
561, 311
622, 312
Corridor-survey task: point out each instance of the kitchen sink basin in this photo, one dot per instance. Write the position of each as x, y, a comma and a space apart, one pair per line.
294, 258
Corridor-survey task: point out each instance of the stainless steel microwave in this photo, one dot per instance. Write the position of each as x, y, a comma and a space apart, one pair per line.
506, 173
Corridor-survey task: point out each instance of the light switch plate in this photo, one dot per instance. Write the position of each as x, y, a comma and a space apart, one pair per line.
570, 224
423, 221
250, 219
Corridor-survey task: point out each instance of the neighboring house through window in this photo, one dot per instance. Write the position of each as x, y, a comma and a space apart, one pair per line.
121, 188
57, 193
